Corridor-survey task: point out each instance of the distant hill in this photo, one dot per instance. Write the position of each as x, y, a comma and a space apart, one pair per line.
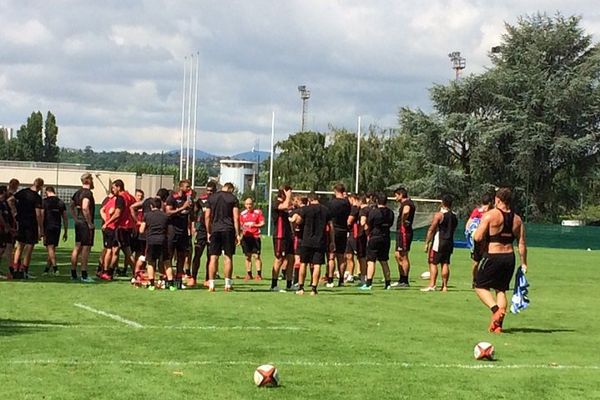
252, 156
247, 156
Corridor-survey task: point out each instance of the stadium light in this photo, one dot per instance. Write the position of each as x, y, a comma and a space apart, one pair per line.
458, 63
304, 95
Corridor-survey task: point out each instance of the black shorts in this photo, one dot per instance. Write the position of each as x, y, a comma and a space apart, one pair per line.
404, 239
177, 242
283, 246
341, 240
124, 237
378, 249
251, 245
51, 236
361, 246
442, 254
351, 245
139, 245
222, 243
83, 234
312, 256
4, 239
109, 238
156, 253
27, 234
495, 271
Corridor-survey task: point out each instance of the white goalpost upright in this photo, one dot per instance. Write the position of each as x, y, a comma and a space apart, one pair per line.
182, 120
195, 120
271, 172
189, 122
357, 156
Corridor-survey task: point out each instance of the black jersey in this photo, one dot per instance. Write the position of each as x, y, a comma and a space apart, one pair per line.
156, 227
408, 222
340, 210
221, 205
380, 220
315, 218
447, 226
281, 223
54, 209
27, 203
505, 236
179, 221
77, 199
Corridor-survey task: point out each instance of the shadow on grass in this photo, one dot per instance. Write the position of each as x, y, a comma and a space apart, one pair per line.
9, 327
536, 330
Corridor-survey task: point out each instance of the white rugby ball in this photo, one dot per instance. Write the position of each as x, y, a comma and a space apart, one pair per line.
266, 376
483, 351
425, 275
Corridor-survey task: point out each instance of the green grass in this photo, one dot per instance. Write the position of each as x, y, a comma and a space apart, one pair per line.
341, 344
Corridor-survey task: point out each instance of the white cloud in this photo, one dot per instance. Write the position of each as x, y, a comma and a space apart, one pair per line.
112, 71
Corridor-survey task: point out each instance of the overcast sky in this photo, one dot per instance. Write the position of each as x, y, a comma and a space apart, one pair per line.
112, 71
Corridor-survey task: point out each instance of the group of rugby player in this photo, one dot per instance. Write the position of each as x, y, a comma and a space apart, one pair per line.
155, 232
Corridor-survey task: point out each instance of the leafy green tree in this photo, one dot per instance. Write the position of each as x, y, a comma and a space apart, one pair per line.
30, 146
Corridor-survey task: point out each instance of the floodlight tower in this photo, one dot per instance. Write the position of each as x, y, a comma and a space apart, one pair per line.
304, 95
458, 63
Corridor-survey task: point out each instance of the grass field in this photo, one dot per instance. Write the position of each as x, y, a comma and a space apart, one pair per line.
63, 340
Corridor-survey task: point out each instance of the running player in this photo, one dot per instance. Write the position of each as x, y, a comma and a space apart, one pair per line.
55, 212
340, 208
314, 218
499, 228
379, 222
251, 220
404, 235
283, 241
439, 243
30, 226
82, 210
222, 227
179, 208
487, 203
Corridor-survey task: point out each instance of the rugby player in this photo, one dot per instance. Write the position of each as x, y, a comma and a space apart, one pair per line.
487, 203
353, 225
379, 222
222, 227
82, 209
201, 241
55, 215
154, 228
314, 219
30, 226
404, 235
179, 208
339, 208
439, 243
499, 228
7, 228
283, 241
251, 220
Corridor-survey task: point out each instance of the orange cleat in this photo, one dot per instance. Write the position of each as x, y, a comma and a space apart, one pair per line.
497, 320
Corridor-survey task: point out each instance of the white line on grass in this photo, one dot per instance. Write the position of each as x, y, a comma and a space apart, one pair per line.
325, 364
132, 324
167, 327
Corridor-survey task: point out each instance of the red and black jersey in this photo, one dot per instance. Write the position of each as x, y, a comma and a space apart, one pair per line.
408, 222
281, 224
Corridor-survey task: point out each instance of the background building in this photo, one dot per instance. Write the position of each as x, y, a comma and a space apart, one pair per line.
66, 178
239, 172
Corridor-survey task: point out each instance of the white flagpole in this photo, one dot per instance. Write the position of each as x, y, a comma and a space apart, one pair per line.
271, 173
189, 121
357, 157
195, 119
182, 122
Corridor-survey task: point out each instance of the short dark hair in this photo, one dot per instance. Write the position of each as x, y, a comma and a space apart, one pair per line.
487, 199
162, 193
381, 198
140, 191
447, 200
228, 186
50, 189
156, 202
212, 186
119, 183
312, 196
505, 195
401, 191
3, 189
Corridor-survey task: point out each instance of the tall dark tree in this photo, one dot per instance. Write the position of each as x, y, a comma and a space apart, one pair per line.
30, 145
50, 137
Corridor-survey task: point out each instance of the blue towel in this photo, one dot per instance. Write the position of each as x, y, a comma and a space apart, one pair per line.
520, 300
469, 232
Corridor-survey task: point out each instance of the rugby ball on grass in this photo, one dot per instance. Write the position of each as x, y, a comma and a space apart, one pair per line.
425, 275
266, 376
483, 351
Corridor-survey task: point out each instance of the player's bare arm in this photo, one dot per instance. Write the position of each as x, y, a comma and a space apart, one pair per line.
519, 232
437, 218
483, 227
